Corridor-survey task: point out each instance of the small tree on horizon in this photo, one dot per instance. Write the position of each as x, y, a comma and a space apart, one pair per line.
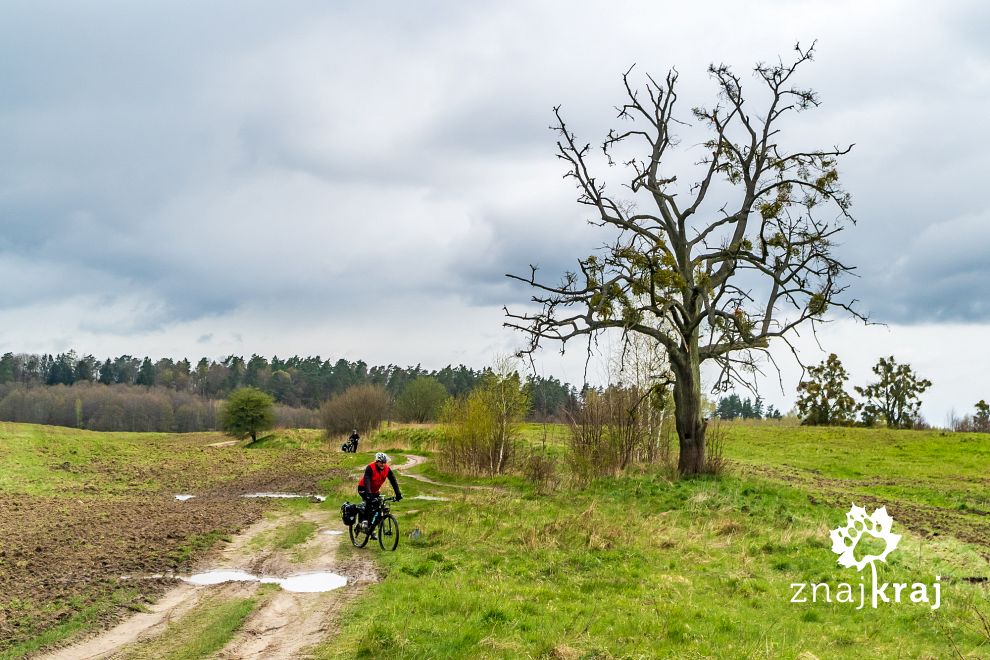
246, 412
895, 398
981, 420
823, 400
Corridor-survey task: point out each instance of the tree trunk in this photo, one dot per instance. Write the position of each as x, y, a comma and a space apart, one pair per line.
688, 414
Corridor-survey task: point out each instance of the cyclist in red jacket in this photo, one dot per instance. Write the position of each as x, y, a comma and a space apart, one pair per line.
374, 478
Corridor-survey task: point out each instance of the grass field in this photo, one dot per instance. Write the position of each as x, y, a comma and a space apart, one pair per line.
636, 566
644, 567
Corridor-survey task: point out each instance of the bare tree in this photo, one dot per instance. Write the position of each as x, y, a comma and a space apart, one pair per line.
708, 279
361, 407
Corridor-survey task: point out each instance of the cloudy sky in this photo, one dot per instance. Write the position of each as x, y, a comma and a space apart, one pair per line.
355, 179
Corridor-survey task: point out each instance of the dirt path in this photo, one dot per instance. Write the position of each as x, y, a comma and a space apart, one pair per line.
412, 461
283, 626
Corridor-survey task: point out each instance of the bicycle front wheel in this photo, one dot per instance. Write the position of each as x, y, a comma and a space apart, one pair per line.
358, 538
388, 533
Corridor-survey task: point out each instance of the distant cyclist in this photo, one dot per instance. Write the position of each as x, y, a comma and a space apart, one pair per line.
372, 481
354, 440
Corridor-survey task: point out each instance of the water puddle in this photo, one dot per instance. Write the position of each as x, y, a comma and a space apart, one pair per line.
285, 496
432, 498
183, 498
306, 583
219, 577
331, 532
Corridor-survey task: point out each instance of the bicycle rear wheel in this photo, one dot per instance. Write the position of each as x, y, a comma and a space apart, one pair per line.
358, 538
388, 533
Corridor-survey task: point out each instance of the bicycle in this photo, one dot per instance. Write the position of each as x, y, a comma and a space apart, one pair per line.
383, 522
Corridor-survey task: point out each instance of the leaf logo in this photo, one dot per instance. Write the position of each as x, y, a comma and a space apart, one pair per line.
858, 524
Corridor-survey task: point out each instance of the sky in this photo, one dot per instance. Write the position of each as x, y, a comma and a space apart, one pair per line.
354, 179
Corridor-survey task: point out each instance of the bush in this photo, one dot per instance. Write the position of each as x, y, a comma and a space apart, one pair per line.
361, 407
484, 428
615, 428
541, 471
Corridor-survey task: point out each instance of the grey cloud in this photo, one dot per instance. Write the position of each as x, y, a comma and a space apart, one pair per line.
204, 158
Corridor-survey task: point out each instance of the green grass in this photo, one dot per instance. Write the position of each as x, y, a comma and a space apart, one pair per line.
639, 566
64, 462
311, 439
645, 567
196, 543
200, 633
284, 537
927, 467
415, 438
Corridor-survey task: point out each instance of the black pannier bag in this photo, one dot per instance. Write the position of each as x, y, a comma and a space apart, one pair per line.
348, 512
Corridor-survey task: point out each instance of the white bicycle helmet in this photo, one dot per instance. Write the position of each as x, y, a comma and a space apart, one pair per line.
381, 456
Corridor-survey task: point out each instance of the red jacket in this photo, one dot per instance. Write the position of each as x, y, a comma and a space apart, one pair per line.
373, 478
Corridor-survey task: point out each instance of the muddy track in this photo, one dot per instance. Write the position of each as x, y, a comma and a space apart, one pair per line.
283, 626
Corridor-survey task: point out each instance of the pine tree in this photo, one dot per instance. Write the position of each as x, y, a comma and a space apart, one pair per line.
146, 373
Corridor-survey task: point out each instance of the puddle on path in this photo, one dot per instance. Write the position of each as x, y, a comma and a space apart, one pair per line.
317, 582
311, 582
432, 498
183, 498
285, 496
219, 577
331, 532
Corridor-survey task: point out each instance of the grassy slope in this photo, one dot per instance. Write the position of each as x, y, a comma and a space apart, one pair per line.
641, 567
942, 469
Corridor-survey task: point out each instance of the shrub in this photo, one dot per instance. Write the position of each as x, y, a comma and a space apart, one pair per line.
616, 427
484, 428
540, 470
361, 407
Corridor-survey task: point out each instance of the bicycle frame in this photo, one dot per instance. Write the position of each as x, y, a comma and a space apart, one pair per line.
380, 512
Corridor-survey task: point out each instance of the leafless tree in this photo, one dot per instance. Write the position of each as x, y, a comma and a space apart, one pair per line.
708, 279
361, 407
